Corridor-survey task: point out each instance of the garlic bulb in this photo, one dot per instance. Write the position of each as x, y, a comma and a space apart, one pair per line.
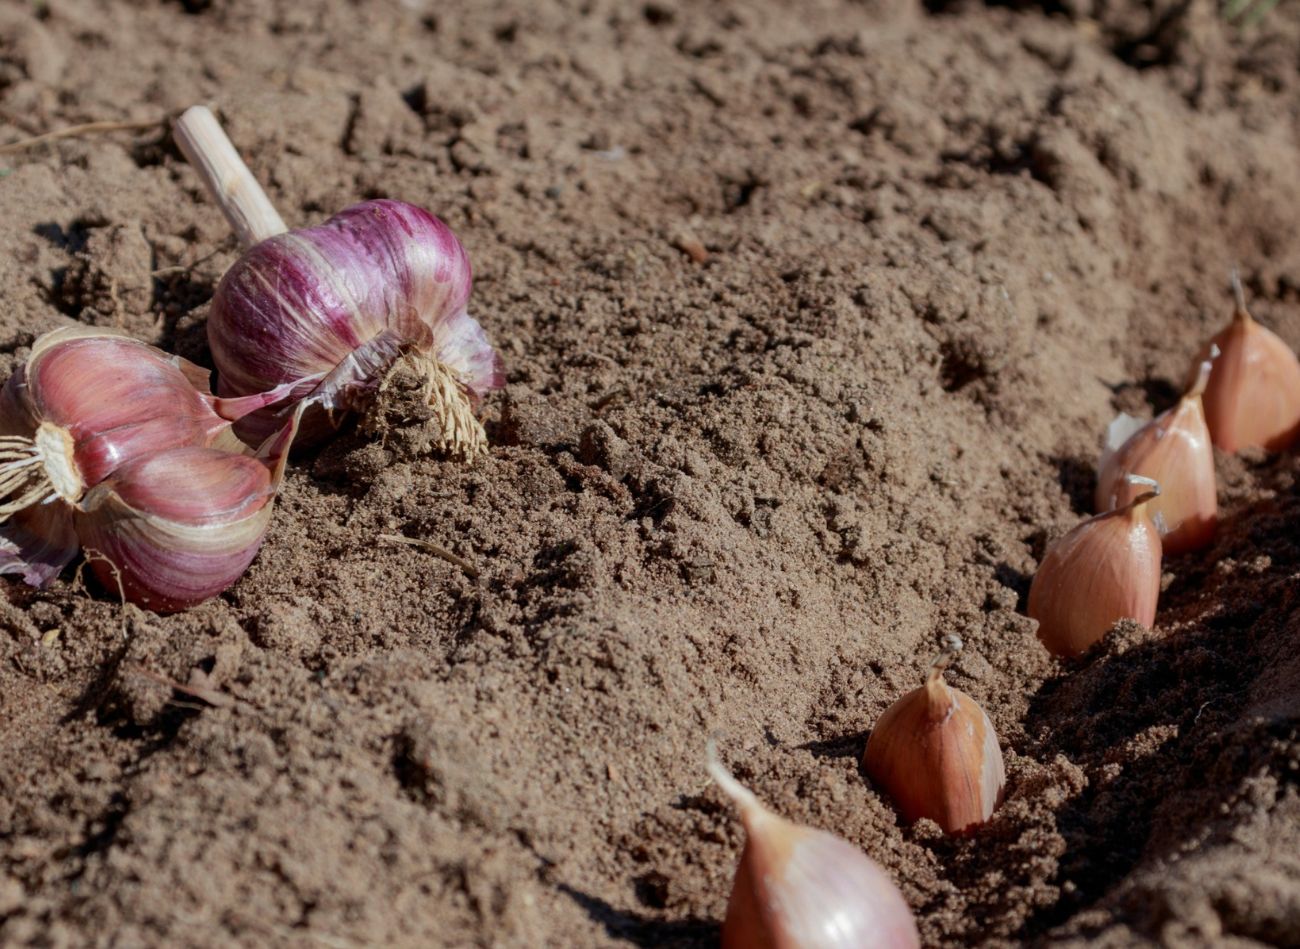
95, 426
934, 752
1104, 570
327, 311
1174, 450
1252, 398
800, 888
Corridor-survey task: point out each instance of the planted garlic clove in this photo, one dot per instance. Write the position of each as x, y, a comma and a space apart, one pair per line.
1174, 450
800, 888
329, 310
176, 527
1104, 570
934, 752
1253, 395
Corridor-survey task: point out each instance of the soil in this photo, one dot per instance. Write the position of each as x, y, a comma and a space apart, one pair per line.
813, 317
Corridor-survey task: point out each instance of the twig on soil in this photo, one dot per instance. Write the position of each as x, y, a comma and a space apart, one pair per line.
214, 697
441, 552
73, 131
185, 268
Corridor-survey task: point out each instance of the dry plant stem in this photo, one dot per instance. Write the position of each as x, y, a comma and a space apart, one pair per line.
952, 646
441, 552
227, 178
73, 131
213, 697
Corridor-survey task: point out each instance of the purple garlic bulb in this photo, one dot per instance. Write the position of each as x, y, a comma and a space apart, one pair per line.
115, 447
330, 309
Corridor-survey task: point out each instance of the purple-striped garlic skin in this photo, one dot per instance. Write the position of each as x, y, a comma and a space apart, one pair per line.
340, 302
99, 428
177, 527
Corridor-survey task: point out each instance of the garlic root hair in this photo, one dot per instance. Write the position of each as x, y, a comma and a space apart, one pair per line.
22, 473
462, 435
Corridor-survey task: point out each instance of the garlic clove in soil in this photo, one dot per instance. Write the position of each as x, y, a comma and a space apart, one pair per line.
1174, 449
1104, 570
1252, 398
934, 752
801, 888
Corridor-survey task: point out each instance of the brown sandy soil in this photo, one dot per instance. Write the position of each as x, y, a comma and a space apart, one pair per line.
812, 319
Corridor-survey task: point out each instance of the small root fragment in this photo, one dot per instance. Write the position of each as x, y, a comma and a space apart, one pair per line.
76, 131
441, 553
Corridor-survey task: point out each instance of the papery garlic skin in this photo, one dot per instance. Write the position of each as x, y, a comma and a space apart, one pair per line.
936, 755
341, 301
1104, 570
1253, 395
801, 888
107, 438
85, 401
1173, 449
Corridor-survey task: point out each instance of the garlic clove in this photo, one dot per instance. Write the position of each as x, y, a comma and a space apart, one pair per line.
1104, 570
1253, 395
1174, 449
103, 398
176, 527
801, 888
936, 755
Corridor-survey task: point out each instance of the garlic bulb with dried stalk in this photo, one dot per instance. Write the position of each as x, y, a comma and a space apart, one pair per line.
934, 752
1252, 398
1104, 570
111, 444
331, 310
800, 888
1173, 449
